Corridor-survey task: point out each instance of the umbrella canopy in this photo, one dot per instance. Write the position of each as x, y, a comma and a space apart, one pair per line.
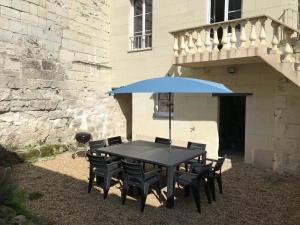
172, 85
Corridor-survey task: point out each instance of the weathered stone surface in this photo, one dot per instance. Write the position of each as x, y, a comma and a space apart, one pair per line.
51, 82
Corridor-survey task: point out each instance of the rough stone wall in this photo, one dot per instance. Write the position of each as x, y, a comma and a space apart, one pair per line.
54, 71
287, 127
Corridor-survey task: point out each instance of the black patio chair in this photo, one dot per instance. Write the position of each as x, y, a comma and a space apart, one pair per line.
114, 140
201, 159
100, 167
193, 181
162, 140
101, 144
134, 176
216, 174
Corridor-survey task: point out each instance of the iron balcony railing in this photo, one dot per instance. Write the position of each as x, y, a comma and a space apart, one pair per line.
140, 42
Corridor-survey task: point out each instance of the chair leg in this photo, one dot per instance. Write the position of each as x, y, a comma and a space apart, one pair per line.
124, 194
158, 190
105, 193
143, 200
195, 191
219, 180
206, 188
106, 186
211, 182
91, 181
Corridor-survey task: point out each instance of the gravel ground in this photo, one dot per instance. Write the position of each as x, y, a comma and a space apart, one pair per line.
251, 196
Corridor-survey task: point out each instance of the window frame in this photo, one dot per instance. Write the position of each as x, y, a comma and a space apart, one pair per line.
226, 10
145, 32
156, 108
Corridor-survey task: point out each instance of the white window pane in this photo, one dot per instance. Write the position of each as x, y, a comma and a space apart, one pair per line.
138, 24
234, 15
138, 7
163, 102
235, 5
148, 5
149, 21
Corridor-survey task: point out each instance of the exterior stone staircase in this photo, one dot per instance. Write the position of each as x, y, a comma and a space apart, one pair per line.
247, 40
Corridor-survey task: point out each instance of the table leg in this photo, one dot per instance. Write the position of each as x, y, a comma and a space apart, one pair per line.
170, 186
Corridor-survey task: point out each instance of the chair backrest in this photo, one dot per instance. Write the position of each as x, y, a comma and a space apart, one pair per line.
97, 144
133, 172
114, 140
198, 146
97, 162
200, 168
194, 145
162, 140
219, 163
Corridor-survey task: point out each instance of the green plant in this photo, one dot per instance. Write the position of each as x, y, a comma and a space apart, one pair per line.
10, 193
14, 197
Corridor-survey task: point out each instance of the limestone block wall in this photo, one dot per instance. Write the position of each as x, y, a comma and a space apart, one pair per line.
54, 71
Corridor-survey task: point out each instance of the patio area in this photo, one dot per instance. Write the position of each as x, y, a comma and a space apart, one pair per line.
251, 196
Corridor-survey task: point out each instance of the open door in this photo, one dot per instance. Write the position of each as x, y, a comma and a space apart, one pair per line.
232, 125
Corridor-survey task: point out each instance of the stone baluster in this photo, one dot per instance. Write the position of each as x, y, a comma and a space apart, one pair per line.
243, 36
224, 38
199, 41
176, 47
253, 36
288, 51
233, 38
216, 39
186, 43
275, 39
191, 44
207, 40
182, 45
262, 33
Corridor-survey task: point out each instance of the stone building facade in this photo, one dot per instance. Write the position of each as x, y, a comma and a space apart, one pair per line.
59, 57
54, 71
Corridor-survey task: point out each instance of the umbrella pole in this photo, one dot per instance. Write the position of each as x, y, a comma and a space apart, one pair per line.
170, 125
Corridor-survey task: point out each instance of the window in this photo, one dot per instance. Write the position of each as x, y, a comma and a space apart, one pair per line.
141, 37
222, 10
234, 9
162, 104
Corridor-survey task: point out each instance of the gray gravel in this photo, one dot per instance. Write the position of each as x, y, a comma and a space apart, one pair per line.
251, 196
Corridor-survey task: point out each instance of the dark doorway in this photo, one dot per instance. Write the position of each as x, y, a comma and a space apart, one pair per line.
232, 125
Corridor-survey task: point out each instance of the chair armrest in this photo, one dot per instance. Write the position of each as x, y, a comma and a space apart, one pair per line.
114, 163
186, 173
212, 160
154, 171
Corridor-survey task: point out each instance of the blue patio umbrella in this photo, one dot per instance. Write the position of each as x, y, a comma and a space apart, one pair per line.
172, 85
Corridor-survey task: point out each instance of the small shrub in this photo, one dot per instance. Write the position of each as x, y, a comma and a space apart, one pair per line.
10, 193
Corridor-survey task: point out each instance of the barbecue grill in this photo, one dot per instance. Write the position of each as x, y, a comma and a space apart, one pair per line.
82, 138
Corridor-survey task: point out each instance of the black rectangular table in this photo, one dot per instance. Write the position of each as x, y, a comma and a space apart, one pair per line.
154, 153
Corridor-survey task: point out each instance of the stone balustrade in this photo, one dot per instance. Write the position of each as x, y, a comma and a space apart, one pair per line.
251, 32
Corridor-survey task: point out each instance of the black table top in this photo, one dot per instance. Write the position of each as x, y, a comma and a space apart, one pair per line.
151, 152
